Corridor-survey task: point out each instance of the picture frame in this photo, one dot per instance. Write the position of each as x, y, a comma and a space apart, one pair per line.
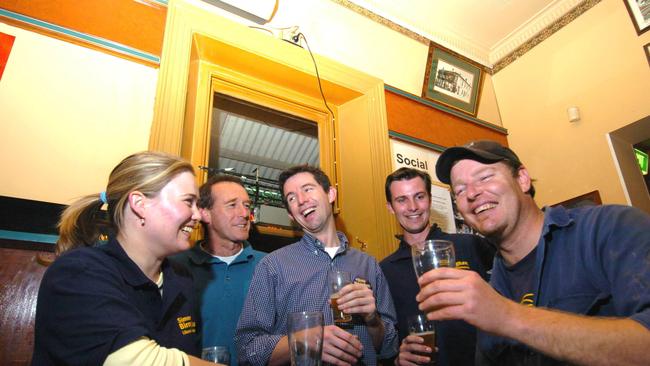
647, 52
640, 13
452, 80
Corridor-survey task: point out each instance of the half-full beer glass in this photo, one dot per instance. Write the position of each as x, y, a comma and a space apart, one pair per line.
338, 280
306, 338
432, 254
420, 326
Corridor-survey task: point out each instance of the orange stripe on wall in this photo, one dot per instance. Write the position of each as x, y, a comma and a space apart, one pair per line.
137, 24
422, 122
6, 43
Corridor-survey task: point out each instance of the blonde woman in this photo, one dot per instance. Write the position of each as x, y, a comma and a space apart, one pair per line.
122, 302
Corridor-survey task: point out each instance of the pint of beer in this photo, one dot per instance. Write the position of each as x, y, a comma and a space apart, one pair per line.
420, 326
338, 280
339, 316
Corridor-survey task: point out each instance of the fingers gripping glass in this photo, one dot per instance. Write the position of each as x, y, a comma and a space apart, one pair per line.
432, 254
338, 280
420, 326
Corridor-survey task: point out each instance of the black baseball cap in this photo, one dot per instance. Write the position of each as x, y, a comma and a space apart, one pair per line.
483, 151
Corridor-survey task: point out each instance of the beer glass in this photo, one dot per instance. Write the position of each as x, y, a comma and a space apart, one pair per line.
432, 254
217, 354
420, 326
306, 338
338, 280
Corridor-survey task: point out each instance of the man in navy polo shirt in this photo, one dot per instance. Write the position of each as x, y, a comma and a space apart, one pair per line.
408, 197
223, 264
569, 286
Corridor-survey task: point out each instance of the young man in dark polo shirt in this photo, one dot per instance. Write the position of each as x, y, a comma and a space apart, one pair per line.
408, 197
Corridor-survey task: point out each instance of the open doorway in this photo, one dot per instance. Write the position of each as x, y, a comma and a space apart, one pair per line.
255, 144
622, 143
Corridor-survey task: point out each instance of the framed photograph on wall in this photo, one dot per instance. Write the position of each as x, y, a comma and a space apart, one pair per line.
452, 80
640, 13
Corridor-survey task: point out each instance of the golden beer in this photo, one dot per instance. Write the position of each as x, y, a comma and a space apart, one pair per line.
429, 340
339, 316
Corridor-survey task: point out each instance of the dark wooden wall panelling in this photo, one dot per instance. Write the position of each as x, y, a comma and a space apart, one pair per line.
420, 121
20, 277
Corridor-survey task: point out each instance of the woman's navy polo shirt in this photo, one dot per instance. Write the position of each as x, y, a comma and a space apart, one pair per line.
93, 301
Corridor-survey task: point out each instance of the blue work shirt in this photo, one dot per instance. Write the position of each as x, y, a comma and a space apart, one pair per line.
295, 278
220, 290
455, 339
591, 261
96, 300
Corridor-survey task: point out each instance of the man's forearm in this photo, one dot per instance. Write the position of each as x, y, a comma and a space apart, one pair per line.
580, 339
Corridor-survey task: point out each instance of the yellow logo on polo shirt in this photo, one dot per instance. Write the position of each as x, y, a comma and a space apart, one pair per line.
186, 324
528, 299
462, 265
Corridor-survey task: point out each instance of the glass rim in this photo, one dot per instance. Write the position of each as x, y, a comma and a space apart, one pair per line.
306, 314
215, 347
435, 242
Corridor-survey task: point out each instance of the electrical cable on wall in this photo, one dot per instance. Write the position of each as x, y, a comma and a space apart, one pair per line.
296, 39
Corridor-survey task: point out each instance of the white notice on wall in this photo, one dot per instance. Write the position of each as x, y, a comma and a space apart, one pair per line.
411, 156
442, 211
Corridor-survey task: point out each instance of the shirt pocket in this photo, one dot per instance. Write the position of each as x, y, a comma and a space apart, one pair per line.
583, 303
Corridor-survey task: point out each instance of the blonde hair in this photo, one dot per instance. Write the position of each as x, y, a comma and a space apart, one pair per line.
148, 172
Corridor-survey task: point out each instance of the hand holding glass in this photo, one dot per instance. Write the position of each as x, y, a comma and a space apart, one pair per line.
432, 254
217, 354
306, 338
420, 326
338, 280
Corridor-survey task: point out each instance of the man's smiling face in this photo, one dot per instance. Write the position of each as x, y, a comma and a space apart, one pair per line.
488, 196
308, 203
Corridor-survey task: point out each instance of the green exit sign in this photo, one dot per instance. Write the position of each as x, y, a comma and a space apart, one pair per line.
642, 158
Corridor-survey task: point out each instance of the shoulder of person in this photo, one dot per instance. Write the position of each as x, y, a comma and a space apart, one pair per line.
276, 257
82, 264
81, 259
180, 268
387, 262
258, 254
608, 214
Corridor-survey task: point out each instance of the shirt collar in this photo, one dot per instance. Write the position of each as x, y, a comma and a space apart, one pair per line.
404, 250
130, 271
314, 244
557, 216
199, 256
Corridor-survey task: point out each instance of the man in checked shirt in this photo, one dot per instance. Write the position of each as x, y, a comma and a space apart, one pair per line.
294, 278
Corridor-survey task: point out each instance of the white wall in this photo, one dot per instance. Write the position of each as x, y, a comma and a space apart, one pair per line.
68, 114
596, 63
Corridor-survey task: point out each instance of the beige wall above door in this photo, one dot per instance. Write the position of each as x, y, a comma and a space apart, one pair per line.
204, 53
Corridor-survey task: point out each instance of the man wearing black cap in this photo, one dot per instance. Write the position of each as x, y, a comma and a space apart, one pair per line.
572, 285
